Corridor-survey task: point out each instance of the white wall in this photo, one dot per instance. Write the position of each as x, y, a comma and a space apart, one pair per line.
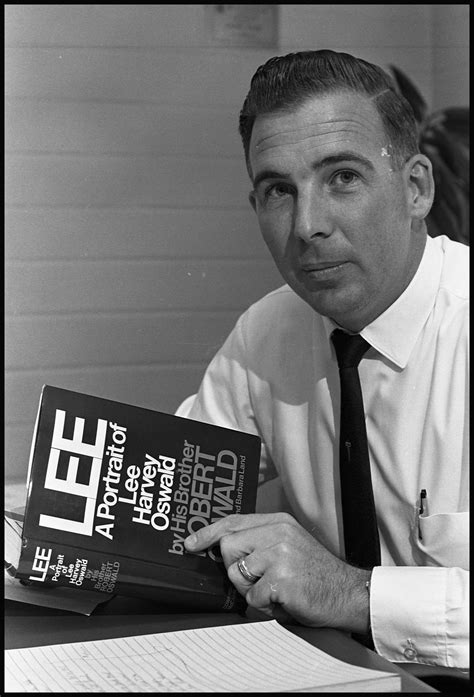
130, 245
450, 55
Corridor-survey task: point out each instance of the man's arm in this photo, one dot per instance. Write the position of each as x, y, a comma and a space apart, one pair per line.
420, 614
299, 578
417, 614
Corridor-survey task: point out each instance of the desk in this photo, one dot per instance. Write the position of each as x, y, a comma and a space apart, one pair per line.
30, 625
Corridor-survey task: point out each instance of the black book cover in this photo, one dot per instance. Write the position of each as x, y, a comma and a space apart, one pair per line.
113, 490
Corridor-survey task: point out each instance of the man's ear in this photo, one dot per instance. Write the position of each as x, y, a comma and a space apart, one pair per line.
420, 185
253, 200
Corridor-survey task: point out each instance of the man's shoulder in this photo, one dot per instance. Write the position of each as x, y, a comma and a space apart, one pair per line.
455, 270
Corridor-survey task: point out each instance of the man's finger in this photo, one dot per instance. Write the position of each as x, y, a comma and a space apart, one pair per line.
240, 581
211, 534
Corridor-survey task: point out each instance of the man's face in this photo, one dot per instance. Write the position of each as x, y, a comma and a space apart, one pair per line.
331, 207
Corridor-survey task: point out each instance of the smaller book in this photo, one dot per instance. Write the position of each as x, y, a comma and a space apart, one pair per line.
114, 489
41, 594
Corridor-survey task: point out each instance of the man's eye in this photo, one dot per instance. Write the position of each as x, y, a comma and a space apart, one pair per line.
344, 177
276, 191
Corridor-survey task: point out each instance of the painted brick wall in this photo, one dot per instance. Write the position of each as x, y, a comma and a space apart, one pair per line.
450, 55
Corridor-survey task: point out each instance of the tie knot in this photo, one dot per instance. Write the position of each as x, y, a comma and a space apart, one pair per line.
349, 348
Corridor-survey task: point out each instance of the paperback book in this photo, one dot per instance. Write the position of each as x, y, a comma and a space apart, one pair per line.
114, 489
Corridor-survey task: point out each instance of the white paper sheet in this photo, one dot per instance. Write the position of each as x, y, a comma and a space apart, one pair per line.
252, 657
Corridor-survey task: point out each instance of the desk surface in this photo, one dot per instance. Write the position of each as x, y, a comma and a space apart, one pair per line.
29, 625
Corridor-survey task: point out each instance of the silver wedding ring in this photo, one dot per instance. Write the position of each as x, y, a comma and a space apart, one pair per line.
245, 572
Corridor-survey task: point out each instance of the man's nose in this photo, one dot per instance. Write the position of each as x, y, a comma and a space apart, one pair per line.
311, 220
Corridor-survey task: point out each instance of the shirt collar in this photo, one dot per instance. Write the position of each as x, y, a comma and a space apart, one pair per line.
395, 332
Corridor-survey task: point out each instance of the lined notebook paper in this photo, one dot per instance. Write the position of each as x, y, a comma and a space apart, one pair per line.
253, 657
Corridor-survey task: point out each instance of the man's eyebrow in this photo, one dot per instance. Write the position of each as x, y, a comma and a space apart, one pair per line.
325, 162
344, 157
269, 174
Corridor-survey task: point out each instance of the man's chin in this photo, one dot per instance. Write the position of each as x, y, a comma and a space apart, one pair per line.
330, 302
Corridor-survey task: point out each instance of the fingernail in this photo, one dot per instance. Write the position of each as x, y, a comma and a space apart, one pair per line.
190, 542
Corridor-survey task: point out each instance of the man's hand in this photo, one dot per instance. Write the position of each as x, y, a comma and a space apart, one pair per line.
299, 577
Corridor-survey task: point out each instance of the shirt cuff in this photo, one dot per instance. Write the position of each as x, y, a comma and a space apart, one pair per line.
420, 615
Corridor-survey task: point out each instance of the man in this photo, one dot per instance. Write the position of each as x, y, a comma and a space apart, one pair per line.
341, 194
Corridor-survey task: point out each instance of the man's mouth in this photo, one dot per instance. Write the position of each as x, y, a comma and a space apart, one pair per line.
322, 271
321, 265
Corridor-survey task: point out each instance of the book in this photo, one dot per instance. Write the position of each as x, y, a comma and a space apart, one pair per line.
248, 657
42, 594
114, 489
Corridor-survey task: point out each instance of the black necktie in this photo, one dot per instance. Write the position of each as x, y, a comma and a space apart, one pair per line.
361, 537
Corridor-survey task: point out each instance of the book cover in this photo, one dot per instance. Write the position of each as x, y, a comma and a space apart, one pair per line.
114, 489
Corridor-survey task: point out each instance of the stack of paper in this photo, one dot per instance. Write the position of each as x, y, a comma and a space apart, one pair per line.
253, 657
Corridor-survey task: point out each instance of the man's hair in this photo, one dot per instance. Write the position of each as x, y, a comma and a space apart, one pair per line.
284, 83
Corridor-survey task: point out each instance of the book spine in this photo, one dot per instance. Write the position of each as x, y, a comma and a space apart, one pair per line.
54, 564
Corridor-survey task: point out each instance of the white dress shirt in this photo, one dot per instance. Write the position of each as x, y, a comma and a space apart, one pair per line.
277, 376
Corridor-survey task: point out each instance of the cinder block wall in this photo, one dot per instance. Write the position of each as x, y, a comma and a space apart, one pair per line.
130, 245
450, 65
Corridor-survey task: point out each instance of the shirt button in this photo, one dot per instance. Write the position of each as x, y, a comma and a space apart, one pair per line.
409, 653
